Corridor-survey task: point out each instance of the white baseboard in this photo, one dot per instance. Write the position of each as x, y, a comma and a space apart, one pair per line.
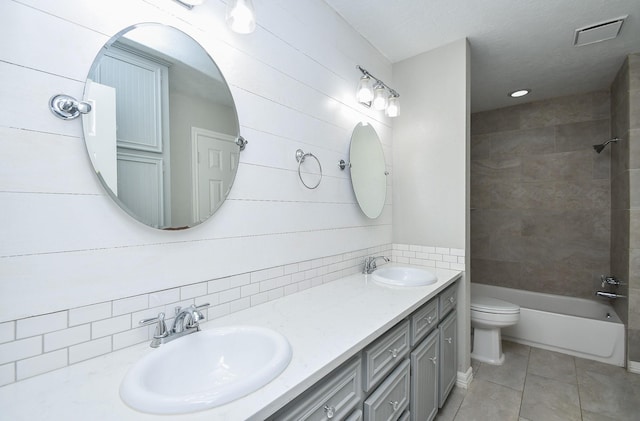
463, 379
632, 367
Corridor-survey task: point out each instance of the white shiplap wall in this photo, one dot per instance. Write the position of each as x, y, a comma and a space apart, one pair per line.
65, 245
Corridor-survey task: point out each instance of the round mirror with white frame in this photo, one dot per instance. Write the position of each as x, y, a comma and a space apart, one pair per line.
368, 170
163, 131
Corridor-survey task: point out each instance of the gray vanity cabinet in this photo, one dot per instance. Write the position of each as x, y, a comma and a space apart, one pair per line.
355, 416
424, 379
334, 397
423, 321
447, 300
381, 356
448, 366
405, 374
391, 398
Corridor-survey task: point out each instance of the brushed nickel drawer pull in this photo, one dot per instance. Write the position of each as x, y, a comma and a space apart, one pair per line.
394, 352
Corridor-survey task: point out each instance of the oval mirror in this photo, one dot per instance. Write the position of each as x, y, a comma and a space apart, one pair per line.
163, 133
368, 170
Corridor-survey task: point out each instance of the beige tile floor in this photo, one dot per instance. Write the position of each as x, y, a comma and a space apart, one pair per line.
539, 385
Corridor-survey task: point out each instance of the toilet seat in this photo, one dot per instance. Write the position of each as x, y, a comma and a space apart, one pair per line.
493, 305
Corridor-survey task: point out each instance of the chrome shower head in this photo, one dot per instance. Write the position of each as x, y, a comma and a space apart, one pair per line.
600, 147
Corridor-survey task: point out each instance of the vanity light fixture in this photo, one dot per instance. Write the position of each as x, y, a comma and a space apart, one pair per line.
241, 16
393, 107
373, 91
190, 3
380, 97
364, 93
519, 93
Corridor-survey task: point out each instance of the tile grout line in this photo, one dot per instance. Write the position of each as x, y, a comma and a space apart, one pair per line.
524, 384
575, 366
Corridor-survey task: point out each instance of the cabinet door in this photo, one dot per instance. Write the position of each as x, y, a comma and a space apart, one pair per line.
448, 357
424, 379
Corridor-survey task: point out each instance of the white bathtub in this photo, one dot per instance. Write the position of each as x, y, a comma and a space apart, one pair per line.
584, 328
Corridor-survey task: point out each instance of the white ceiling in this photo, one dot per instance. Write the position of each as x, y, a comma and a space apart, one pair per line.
514, 43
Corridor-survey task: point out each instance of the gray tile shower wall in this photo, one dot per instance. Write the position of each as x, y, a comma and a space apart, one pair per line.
540, 195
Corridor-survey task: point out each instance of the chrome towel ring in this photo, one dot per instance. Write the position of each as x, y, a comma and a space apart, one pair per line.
300, 157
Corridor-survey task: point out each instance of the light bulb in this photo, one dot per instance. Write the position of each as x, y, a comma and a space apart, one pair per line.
364, 93
380, 97
241, 16
393, 108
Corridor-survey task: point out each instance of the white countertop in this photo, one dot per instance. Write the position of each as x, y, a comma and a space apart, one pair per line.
325, 326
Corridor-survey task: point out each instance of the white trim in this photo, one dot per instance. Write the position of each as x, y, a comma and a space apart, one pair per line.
464, 379
633, 367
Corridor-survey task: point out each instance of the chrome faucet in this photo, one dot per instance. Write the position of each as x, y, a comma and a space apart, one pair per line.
370, 263
187, 321
187, 318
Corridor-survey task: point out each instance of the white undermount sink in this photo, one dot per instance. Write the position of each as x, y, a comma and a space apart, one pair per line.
404, 276
205, 369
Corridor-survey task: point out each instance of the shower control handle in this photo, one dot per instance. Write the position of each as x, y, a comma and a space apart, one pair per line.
609, 280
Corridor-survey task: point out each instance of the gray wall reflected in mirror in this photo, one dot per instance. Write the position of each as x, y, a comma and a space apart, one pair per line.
162, 133
368, 170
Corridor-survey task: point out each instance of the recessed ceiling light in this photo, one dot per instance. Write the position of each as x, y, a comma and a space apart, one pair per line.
519, 93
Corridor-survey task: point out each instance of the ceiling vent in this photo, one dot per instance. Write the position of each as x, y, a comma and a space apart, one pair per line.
599, 32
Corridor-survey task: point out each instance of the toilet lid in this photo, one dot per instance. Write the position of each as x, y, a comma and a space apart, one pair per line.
493, 305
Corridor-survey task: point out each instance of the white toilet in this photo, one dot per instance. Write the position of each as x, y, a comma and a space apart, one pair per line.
488, 316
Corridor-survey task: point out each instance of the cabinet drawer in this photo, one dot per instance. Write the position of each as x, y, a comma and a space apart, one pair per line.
448, 299
381, 357
423, 321
391, 398
355, 416
334, 397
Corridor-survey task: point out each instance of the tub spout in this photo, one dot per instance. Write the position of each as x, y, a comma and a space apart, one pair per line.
605, 294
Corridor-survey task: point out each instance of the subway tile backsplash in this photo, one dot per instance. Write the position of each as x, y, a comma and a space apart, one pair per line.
435, 257
42, 343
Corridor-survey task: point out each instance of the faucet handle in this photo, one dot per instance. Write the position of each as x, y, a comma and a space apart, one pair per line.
609, 280
161, 328
196, 314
